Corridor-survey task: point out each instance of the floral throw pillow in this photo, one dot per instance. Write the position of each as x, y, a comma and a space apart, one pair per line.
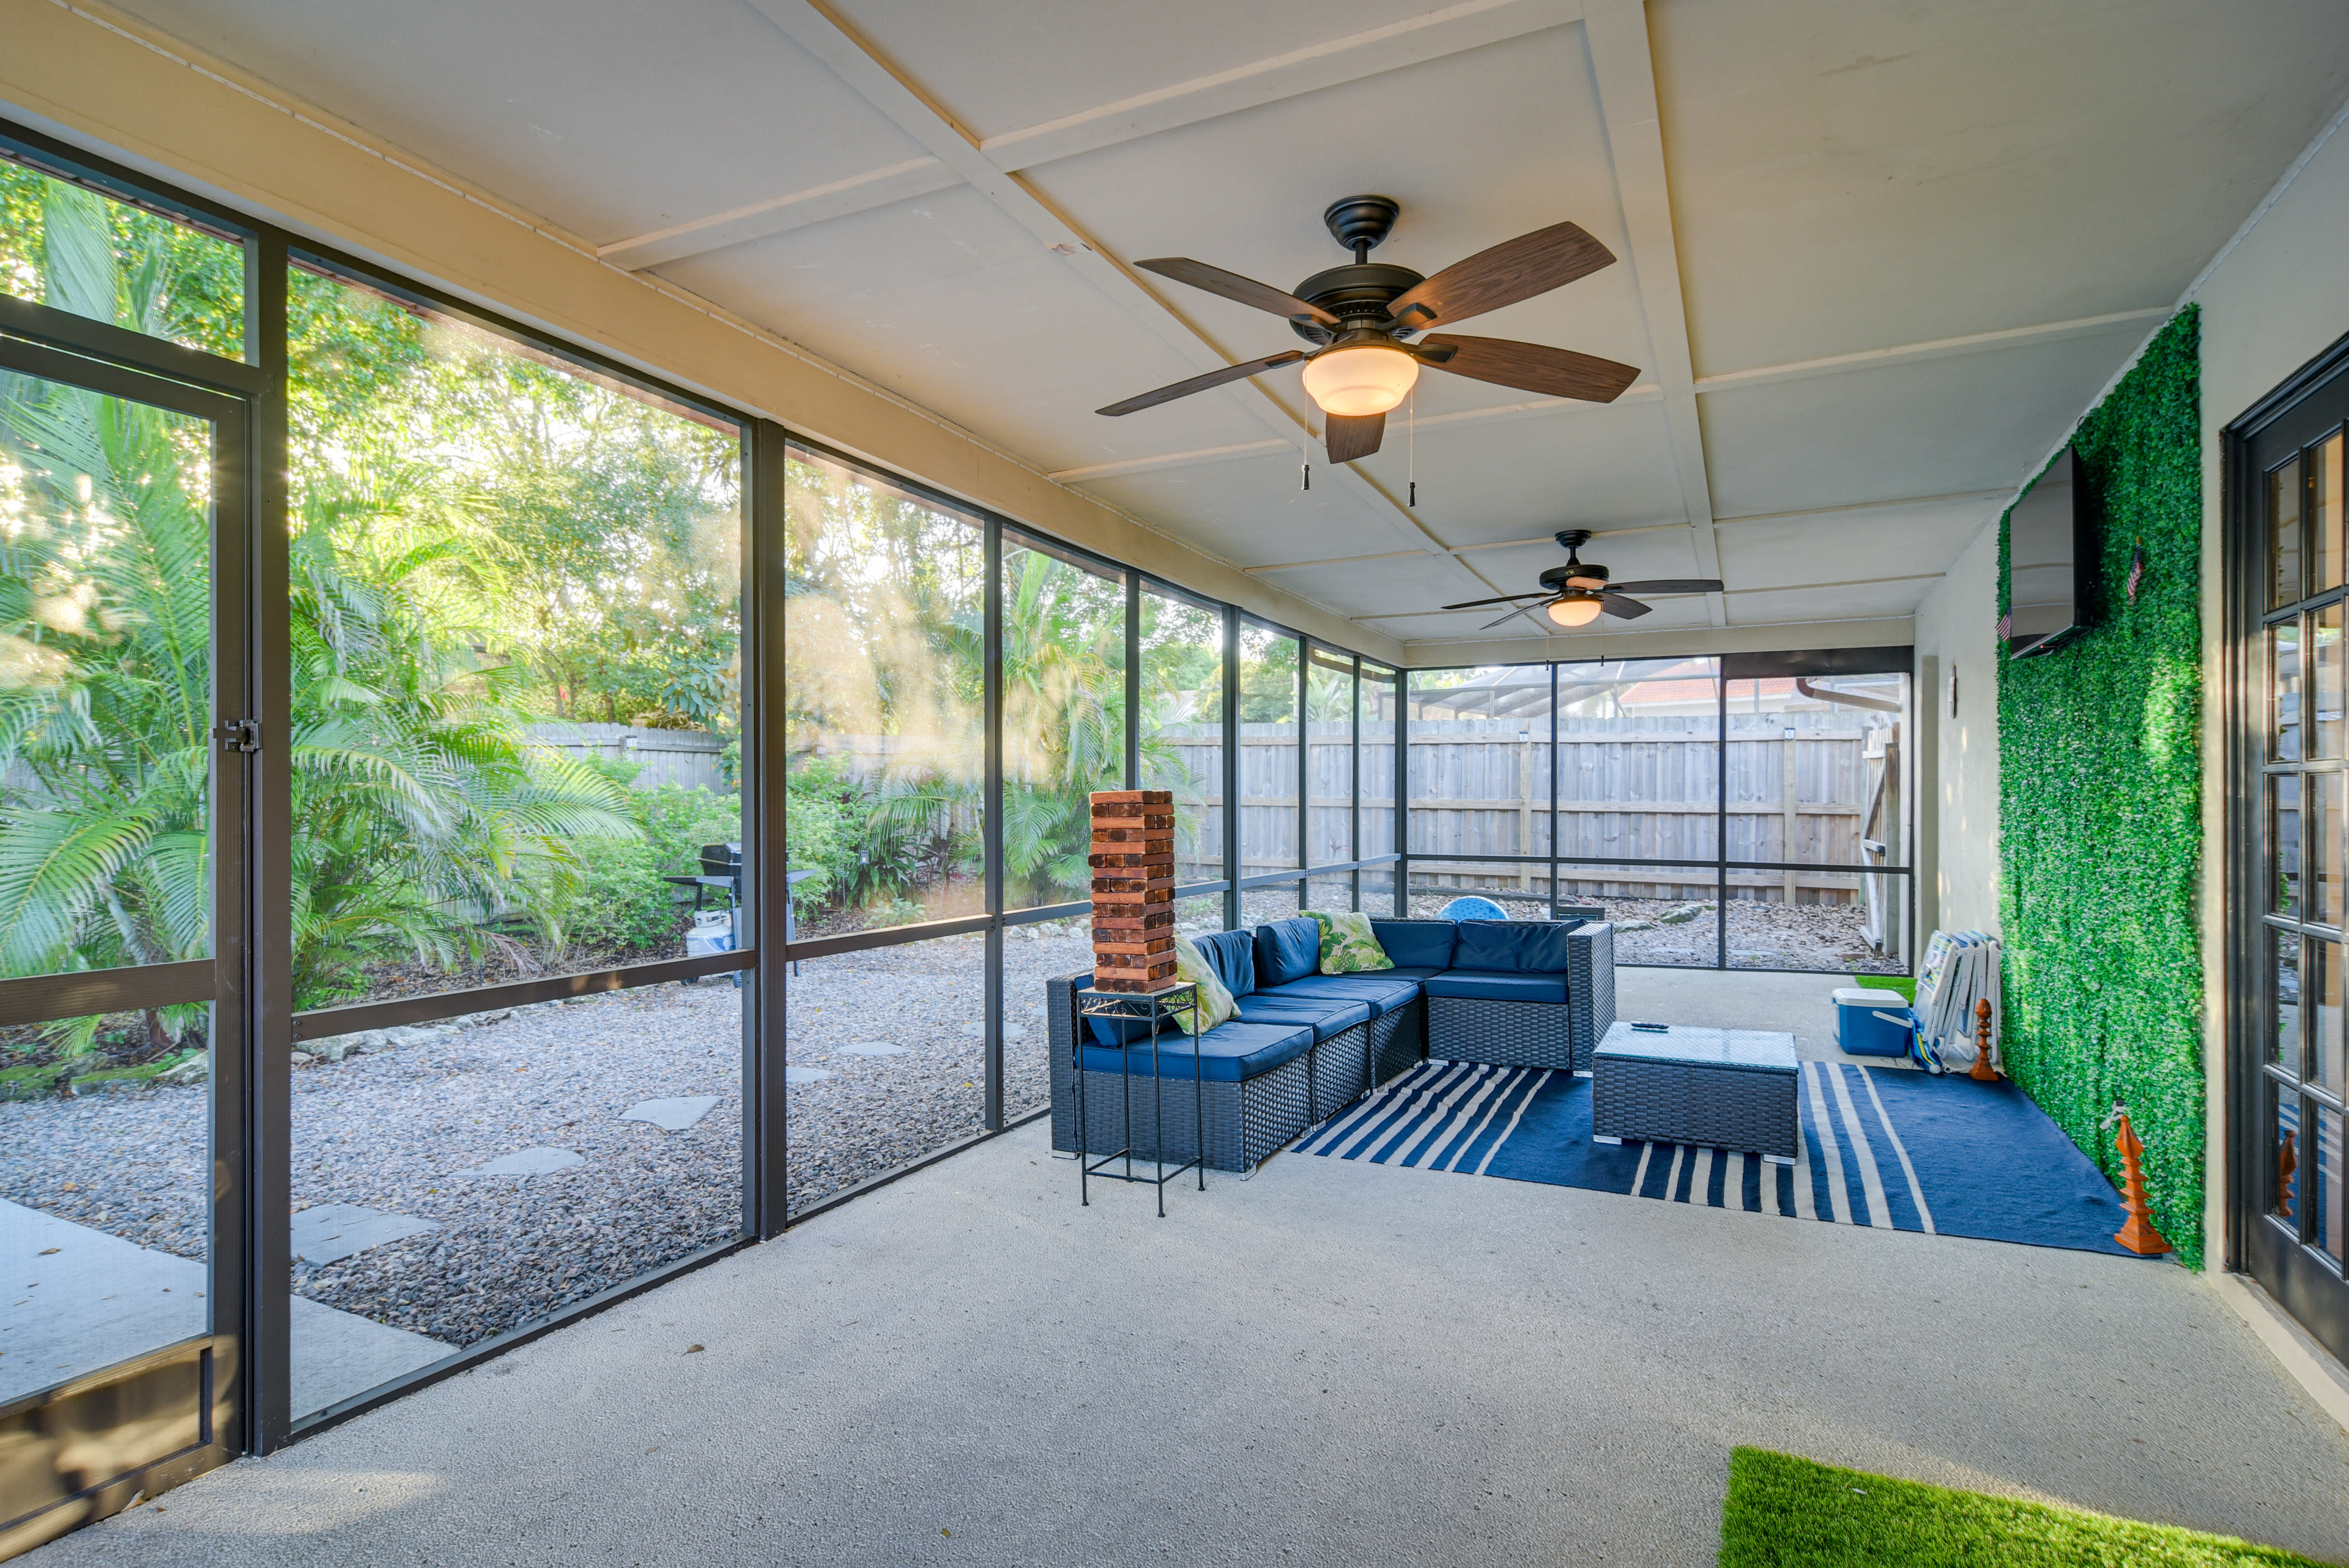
1349, 945
1216, 1000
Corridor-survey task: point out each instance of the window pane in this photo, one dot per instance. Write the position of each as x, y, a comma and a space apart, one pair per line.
2283, 535
2283, 999
1278, 902
1331, 895
886, 1059
1663, 914
886, 702
2325, 1227
1378, 700
2325, 738
1269, 825
105, 1195
106, 675
2322, 979
2283, 1152
1064, 717
1330, 744
2283, 680
457, 1180
1032, 954
2283, 840
1182, 728
1480, 782
2325, 525
1193, 915
516, 595
64, 245
2325, 821
1378, 898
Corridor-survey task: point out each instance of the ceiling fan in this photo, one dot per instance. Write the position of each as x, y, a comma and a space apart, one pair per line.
1578, 593
1358, 317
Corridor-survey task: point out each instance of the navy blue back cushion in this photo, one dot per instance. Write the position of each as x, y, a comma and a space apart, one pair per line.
1512, 947
1232, 955
1287, 950
1416, 944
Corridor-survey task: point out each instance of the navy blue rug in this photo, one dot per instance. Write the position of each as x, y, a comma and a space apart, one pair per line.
1895, 1150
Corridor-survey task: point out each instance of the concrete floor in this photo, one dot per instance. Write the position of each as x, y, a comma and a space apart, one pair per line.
1802, 1005
1332, 1362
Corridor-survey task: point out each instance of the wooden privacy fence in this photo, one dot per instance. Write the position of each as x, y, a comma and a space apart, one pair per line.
690, 758
1801, 786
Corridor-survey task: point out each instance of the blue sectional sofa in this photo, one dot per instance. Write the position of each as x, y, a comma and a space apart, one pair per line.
1528, 993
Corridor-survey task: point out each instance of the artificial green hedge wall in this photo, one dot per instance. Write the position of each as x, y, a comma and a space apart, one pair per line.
2099, 791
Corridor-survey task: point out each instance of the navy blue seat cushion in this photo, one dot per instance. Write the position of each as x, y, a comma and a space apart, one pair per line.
1512, 947
1416, 944
1326, 1016
1232, 955
1228, 1053
1383, 993
1492, 985
1287, 950
1401, 972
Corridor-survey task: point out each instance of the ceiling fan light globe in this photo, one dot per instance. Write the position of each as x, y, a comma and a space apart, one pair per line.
1353, 383
1573, 611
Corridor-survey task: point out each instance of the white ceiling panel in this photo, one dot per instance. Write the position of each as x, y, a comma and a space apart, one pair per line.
1935, 427
612, 120
998, 68
949, 303
1410, 582
1252, 513
1832, 601
1522, 478
1849, 174
1871, 542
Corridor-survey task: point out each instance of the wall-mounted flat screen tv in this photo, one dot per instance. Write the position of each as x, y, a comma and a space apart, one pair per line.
2051, 560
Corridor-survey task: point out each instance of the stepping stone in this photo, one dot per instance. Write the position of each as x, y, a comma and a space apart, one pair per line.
978, 1032
873, 1048
330, 1232
806, 1075
529, 1162
670, 1116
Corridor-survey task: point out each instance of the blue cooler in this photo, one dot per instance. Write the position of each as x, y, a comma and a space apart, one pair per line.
1872, 1022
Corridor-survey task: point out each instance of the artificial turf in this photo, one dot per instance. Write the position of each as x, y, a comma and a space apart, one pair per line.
1788, 1512
1900, 983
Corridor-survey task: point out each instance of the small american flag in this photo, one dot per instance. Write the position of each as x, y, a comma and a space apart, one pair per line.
2137, 571
2005, 626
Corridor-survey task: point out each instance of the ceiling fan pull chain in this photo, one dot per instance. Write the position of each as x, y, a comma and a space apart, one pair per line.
1308, 473
1411, 422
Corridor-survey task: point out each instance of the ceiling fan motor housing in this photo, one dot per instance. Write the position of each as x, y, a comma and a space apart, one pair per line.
1357, 294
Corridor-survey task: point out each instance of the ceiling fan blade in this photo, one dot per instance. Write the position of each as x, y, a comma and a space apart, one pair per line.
1531, 367
1671, 586
1232, 286
1501, 599
1618, 605
1167, 394
1349, 437
1511, 616
1511, 271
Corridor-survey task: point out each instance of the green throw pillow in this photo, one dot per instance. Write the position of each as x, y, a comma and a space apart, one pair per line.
1349, 945
1215, 999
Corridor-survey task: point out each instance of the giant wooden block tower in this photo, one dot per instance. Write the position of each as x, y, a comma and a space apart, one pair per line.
1134, 889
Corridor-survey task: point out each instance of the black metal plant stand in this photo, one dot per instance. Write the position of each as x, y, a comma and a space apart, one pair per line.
1158, 1009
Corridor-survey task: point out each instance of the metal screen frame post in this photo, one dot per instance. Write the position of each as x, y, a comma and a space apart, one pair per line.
1132, 679
1402, 794
1354, 772
1232, 913
269, 1260
1721, 816
991, 832
766, 999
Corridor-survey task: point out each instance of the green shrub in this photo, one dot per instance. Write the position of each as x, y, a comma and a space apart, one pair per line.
825, 812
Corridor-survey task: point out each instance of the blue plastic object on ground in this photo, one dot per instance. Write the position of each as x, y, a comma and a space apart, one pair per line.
1872, 1022
1474, 910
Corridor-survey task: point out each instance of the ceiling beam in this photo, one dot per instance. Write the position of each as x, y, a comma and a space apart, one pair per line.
1938, 349
881, 83
902, 181
1451, 30
1625, 72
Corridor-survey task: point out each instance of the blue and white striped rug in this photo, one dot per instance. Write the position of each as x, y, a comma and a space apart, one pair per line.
1890, 1149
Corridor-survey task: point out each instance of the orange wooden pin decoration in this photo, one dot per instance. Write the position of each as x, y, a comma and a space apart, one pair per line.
1983, 1072
2138, 1235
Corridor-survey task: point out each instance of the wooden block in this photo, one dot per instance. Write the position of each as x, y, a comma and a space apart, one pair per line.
1134, 955
1104, 835
1134, 879
1132, 797
1137, 970
1116, 942
1139, 987
1122, 816
1112, 907
1120, 860
1152, 922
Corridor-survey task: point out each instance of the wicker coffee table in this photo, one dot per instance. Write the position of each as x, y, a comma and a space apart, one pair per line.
1713, 1089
